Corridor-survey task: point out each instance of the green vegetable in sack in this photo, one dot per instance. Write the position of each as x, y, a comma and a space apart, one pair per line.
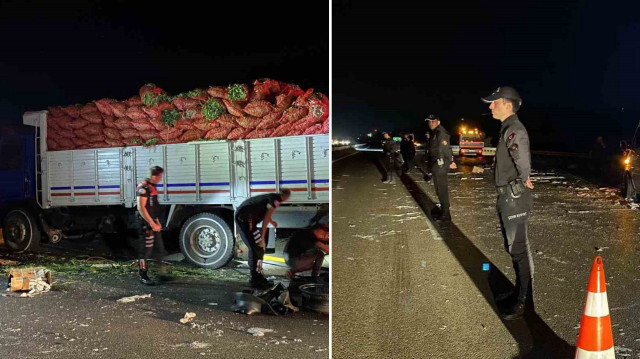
236, 92
151, 142
169, 117
212, 109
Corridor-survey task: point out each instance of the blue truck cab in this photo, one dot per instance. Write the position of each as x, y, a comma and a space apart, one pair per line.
17, 190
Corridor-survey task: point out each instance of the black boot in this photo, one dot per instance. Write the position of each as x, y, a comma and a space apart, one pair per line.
258, 281
523, 302
144, 278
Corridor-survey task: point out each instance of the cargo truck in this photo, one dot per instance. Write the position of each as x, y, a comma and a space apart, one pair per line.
51, 195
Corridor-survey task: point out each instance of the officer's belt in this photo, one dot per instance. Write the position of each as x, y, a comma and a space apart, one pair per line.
503, 190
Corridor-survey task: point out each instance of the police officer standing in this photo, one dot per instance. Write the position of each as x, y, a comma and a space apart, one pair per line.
389, 150
440, 161
149, 226
512, 168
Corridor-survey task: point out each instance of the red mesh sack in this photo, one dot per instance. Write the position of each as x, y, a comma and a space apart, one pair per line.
312, 130
158, 124
237, 133
134, 101
259, 134
142, 125
78, 123
65, 143
104, 106
52, 145
227, 120
88, 108
274, 116
293, 114
267, 124
111, 133
80, 142
281, 130
63, 133
291, 89
123, 124
92, 117
218, 92
218, 133
93, 129
249, 121
258, 108
109, 121
202, 126
147, 135
283, 101
191, 135
129, 133
114, 142
72, 111
56, 111
233, 108
170, 133
135, 113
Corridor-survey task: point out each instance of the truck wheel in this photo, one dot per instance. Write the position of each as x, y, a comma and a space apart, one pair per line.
20, 231
207, 241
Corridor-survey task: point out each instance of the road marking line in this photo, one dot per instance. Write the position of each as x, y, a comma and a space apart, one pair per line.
342, 158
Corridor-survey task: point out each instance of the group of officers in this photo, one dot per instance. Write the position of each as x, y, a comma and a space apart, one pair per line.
304, 251
512, 169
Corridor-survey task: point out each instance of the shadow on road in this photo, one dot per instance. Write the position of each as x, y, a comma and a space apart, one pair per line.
534, 337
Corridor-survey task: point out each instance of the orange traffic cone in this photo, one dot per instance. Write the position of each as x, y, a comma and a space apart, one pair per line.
596, 339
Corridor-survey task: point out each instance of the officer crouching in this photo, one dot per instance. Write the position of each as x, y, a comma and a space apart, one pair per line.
512, 168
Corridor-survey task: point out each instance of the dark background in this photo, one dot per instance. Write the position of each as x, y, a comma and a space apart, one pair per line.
575, 63
61, 53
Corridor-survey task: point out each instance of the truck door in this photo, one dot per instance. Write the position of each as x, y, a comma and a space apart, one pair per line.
14, 179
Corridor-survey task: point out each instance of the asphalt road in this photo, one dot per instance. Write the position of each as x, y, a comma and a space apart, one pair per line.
81, 318
572, 222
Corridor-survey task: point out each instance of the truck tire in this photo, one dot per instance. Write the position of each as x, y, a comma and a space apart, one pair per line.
20, 231
206, 240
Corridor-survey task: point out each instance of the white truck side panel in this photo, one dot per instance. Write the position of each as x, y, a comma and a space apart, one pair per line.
195, 173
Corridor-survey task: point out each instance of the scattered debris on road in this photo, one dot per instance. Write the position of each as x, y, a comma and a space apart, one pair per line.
133, 298
29, 281
188, 317
477, 170
7, 262
259, 332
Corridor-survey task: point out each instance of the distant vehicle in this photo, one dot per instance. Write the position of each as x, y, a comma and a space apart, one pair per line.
631, 165
471, 142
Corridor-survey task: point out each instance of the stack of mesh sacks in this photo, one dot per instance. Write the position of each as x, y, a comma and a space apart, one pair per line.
268, 108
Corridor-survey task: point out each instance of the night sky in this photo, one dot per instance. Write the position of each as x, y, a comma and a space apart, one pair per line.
54, 54
576, 65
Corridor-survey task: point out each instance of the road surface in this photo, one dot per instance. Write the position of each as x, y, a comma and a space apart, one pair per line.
81, 318
422, 293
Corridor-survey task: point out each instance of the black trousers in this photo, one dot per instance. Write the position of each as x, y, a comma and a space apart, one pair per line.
440, 182
408, 161
514, 218
152, 245
390, 164
251, 235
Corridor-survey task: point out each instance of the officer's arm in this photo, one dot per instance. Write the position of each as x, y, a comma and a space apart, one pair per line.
324, 247
438, 142
518, 146
446, 149
266, 221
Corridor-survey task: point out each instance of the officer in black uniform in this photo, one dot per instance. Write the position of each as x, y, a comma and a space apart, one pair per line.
251, 212
440, 161
389, 150
149, 226
512, 168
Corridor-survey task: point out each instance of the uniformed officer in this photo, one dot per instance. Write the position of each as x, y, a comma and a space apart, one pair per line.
440, 161
149, 212
251, 212
389, 150
512, 168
